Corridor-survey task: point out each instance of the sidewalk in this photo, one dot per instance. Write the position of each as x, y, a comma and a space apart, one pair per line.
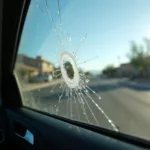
143, 81
140, 84
33, 86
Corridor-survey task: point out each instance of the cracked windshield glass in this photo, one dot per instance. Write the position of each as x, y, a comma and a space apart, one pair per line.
88, 61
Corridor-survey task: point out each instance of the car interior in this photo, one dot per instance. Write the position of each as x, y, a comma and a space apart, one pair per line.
25, 128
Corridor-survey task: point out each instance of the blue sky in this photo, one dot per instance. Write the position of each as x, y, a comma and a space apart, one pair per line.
109, 24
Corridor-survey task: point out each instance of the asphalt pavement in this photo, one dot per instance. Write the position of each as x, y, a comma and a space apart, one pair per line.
120, 108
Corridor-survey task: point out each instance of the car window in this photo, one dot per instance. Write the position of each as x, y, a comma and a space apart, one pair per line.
98, 54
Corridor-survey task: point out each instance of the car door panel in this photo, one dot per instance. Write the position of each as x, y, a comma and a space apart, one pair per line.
50, 133
3, 129
16, 125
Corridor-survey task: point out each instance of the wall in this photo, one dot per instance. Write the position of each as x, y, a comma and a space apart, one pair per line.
46, 67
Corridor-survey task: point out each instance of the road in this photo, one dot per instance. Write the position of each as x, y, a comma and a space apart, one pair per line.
125, 108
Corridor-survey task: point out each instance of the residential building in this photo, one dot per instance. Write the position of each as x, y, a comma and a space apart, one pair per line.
126, 70
33, 65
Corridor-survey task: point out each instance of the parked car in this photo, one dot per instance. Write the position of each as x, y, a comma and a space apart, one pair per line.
40, 78
133, 77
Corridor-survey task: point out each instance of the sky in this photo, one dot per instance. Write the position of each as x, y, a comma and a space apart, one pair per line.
109, 27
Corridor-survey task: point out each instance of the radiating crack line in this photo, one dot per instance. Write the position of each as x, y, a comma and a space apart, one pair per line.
84, 111
59, 101
81, 104
50, 15
93, 92
67, 108
59, 13
57, 75
80, 93
77, 109
82, 40
108, 119
68, 102
51, 18
87, 60
54, 87
71, 108
91, 110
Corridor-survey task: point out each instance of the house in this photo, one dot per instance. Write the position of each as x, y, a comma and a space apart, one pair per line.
33, 66
126, 70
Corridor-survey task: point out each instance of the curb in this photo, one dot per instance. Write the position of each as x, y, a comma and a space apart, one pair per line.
39, 86
134, 85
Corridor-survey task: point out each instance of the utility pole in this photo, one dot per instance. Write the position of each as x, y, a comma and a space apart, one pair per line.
118, 60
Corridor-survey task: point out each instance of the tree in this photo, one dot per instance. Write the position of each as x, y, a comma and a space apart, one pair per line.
136, 55
88, 73
23, 72
109, 70
147, 44
140, 57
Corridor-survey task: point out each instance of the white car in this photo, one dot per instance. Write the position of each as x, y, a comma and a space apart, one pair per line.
40, 78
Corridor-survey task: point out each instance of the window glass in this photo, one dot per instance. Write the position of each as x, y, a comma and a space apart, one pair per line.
97, 54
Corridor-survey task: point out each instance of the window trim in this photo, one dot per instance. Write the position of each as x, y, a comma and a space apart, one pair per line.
23, 15
13, 24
